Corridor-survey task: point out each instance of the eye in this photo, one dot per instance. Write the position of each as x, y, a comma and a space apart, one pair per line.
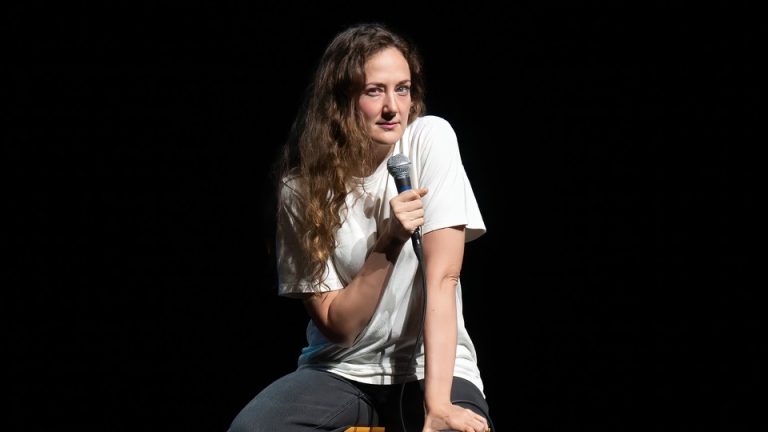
373, 91
403, 90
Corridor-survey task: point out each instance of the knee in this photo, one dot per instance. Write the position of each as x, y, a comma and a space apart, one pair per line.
241, 426
244, 423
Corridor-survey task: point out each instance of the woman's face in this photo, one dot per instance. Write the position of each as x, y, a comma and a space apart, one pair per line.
386, 98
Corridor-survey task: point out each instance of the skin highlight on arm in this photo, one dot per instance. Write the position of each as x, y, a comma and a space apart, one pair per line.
443, 254
342, 314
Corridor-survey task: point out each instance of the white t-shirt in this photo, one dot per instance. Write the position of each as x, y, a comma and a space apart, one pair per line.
381, 352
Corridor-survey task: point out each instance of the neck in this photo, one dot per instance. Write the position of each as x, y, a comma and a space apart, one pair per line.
382, 152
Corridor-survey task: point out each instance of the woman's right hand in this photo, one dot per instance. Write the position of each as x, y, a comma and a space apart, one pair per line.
408, 213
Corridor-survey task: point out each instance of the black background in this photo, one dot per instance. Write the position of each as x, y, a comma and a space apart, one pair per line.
614, 156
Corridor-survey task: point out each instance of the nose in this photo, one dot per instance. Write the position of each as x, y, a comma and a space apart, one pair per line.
390, 108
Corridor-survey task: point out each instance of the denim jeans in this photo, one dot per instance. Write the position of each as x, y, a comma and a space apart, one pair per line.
311, 400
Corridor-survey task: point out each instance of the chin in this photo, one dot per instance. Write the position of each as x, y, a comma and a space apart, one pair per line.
386, 139
383, 142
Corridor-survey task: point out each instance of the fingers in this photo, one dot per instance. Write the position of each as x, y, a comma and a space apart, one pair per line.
457, 418
409, 201
480, 425
412, 194
472, 421
477, 422
408, 210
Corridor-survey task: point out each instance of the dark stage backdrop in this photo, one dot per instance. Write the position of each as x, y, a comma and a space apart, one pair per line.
614, 157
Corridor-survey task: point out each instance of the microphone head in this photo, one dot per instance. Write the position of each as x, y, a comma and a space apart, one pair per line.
399, 166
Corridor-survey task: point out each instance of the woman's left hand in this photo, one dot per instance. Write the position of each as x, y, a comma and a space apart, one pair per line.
454, 417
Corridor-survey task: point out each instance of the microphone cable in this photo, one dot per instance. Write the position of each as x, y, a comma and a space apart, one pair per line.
398, 166
420, 255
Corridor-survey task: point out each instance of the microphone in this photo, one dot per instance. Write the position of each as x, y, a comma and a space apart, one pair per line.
400, 167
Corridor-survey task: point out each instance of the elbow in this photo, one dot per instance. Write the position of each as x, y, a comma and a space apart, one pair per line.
449, 281
443, 274
444, 285
342, 339
337, 328
344, 342
341, 335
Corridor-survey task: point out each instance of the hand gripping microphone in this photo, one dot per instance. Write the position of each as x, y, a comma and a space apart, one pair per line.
399, 167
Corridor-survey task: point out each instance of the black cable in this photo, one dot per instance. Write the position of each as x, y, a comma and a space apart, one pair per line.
417, 248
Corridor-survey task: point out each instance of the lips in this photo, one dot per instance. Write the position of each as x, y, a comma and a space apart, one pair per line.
387, 125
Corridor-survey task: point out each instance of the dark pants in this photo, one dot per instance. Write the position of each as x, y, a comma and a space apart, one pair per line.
309, 400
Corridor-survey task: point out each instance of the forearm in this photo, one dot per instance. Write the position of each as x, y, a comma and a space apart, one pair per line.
440, 338
443, 252
352, 308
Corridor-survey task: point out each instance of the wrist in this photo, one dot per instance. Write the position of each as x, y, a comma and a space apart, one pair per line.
389, 244
437, 408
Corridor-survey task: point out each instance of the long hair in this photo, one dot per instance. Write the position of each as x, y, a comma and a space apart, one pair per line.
329, 141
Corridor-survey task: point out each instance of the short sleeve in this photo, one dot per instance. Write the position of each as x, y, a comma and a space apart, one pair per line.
287, 247
438, 165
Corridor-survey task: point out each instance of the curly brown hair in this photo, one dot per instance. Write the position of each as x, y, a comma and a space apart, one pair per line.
329, 141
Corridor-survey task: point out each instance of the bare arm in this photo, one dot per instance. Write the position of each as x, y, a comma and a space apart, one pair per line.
443, 255
342, 314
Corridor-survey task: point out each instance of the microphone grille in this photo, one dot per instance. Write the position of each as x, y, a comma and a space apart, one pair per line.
399, 166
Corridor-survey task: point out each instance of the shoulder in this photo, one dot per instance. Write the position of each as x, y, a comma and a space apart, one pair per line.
430, 123
288, 190
430, 130
430, 133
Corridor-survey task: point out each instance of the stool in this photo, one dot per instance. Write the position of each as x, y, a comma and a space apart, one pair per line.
365, 429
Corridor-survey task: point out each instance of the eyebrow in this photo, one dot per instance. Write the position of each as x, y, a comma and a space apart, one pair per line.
384, 85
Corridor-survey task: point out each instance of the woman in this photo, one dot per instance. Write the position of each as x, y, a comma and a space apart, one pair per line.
343, 248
